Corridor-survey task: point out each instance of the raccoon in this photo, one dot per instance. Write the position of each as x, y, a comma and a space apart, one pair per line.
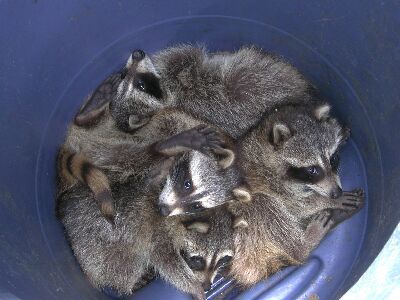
203, 173
290, 160
229, 90
295, 150
96, 150
185, 252
208, 248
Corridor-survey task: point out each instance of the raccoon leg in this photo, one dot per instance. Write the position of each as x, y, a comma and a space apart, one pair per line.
76, 166
201, 138
144, 280
319, 226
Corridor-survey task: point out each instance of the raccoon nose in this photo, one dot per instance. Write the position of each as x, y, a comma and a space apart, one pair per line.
336, 193
164, 209
138, 54
206, 286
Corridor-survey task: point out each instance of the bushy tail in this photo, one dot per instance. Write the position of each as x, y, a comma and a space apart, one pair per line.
75, 166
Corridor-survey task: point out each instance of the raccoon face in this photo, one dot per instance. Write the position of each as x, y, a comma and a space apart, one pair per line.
208, 253
306, 145
206, 266
139, 93
195, 183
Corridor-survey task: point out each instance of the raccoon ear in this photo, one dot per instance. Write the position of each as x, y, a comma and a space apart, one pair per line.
242, 194
280, 134
92, 110
322, 112
200, 227
239, 222
98, 101
227, 157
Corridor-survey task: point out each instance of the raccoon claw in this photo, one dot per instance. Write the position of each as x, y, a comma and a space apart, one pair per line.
355, 202
352, 200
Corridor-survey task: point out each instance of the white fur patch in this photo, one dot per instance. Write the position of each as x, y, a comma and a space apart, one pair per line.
200, 227
146, 66
338, 181
130, 88
129, 62
196, 161
242, 194
322, 112
176, 211
167, 196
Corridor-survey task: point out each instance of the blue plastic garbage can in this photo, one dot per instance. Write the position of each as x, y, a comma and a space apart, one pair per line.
53, 53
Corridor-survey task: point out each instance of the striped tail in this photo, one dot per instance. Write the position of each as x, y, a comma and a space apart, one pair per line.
76, 166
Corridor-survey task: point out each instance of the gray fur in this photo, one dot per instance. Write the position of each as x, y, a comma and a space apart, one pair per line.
234, 90
119, 257
311, 142
287, 218
230, 90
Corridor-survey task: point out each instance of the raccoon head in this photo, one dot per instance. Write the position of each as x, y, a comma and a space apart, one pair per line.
139, 93
196, 182
208, 247
304, 145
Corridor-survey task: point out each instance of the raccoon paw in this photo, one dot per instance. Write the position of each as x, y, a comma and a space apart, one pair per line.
214, 143
353, 204
318, 227
201, 138
353, 200
204, 138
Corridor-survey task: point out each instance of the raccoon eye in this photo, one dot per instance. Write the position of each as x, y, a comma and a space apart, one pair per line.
310, 174
187, 184
223, 261
334, 161
313, 170
196, 263
141, 85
